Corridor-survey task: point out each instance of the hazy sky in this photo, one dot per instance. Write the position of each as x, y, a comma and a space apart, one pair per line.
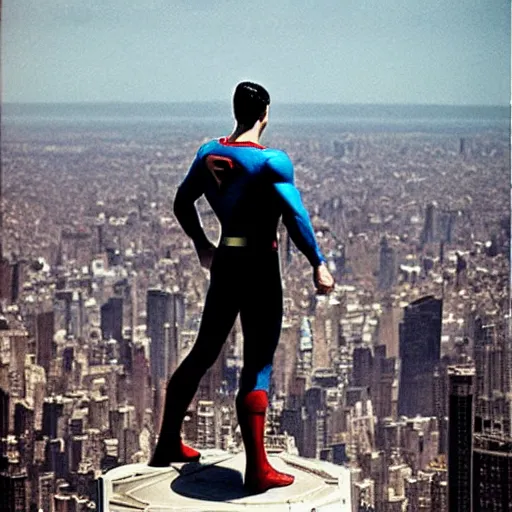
348, 51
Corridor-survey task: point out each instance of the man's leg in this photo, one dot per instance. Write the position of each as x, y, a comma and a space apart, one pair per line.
261, 316
220, 311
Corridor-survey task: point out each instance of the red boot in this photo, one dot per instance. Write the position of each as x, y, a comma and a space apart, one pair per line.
259, 474
177, 451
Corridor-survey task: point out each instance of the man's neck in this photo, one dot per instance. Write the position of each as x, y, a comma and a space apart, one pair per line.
244, 134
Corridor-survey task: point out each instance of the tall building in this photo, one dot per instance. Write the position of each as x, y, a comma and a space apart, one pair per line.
492, 474
44, 339
112, 319
420, 351
314, 424
382, 378
165, 312
15, 282
4, 414
141, 392
460, 437
45, 491
429, 232
5, 280
67, 297
439, 493
206, 424
492, 352
52, 410
362, 366
387, 265
112, 328
13, 492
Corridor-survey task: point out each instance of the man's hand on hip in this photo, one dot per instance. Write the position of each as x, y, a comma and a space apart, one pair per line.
324, 282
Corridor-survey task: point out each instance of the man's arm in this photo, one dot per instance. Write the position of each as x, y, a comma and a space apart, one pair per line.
296, 220
295, 216
190, 190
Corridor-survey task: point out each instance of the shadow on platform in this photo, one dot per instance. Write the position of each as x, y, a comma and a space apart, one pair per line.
209, 483
215, 484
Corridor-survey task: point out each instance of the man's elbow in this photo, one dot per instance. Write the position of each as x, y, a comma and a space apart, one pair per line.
180, 203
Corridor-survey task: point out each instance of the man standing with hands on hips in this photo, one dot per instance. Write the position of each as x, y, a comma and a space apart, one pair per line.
249, 187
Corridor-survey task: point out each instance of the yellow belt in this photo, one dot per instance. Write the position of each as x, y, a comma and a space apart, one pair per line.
234, 241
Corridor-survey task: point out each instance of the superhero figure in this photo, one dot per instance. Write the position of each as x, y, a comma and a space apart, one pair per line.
249, 187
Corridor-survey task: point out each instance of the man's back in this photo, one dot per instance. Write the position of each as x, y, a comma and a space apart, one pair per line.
249, 187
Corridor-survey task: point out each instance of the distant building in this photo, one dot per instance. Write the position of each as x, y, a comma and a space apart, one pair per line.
67, 297
13, 492
429, 232
112, 319
492, 474
439, 500
387, 265
142, 392
5, 280
52, 411
362, 367
492, 353
206, 424
460, 437
4, 414
163, 314
420, 351
45, 491
15, 282
44, 339
23, 419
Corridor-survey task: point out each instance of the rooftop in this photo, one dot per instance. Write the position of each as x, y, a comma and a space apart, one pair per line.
215, 484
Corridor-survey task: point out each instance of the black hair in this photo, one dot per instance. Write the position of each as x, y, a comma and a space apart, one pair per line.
249, 102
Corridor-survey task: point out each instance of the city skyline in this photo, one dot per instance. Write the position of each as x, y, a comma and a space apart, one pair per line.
101, 296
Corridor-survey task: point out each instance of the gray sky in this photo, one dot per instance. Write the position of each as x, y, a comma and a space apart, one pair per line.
347, 51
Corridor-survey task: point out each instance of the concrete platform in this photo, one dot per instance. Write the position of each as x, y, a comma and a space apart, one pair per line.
216, 484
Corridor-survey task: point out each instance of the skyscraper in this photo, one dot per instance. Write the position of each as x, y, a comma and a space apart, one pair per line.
44, 339
493, 360
4, 413
428, 234
165, 311
112, 319
362, 366
5, 280
67, 297
492, 474
13, 492
52, 410
420, 350
387, 265
460, 437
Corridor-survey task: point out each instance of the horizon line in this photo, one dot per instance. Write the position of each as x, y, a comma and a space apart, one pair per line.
224, 102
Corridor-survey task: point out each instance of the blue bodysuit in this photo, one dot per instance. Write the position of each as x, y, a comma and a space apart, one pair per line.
249, 188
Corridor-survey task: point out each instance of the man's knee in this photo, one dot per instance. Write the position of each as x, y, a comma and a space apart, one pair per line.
253, 379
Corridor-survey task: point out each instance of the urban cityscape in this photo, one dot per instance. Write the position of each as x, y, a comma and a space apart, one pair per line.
403, 374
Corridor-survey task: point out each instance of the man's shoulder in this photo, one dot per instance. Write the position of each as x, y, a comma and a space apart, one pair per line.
207, 147
277, 154
279, 163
